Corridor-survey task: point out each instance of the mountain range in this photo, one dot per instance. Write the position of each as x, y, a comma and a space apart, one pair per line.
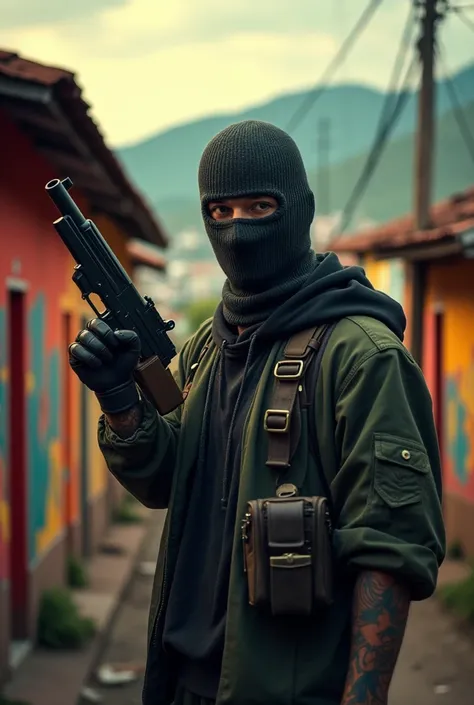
165, 165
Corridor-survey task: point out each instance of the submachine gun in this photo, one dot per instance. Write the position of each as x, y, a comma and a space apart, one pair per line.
99, 272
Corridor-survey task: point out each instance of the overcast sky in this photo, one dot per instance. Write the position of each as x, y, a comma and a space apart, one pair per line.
146, 65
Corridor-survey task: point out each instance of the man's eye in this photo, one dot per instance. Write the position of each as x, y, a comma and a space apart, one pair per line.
220, 210
262, 206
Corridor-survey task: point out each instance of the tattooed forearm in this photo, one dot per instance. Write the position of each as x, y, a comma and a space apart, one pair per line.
380, 612
125, 424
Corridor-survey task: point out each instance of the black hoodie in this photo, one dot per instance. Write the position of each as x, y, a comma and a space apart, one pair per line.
196, 614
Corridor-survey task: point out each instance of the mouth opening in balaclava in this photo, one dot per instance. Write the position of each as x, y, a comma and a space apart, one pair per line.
266, 259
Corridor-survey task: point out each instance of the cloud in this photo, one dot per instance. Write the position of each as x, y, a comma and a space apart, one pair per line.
29, 13
141, 27
148, 64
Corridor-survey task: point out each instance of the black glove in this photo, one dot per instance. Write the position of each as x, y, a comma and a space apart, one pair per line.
104, 361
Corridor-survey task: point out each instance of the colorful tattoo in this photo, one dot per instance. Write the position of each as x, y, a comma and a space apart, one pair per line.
380, 612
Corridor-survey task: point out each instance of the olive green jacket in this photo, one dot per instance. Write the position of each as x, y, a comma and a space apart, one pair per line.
378, 447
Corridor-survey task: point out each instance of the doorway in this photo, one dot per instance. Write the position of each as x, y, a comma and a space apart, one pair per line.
418, 303
67, 433
438, 375
433, 366
84, 466
17, 475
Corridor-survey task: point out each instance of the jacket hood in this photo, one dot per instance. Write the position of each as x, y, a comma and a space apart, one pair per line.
331, 292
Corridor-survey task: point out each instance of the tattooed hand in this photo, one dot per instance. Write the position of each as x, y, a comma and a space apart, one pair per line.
380, 612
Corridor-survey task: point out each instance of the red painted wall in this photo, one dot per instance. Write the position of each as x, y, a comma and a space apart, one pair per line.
32, 252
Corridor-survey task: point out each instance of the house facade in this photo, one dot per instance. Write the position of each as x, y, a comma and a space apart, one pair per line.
431, 272
55, 493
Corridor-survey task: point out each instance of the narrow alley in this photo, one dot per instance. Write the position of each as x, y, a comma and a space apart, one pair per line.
436, 666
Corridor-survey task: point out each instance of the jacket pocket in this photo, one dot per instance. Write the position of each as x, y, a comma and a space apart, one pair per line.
400, 467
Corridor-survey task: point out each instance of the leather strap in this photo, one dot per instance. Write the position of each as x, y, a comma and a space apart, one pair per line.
289, 373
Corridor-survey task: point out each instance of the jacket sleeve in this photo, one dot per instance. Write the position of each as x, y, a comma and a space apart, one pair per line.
388, 489
144, 463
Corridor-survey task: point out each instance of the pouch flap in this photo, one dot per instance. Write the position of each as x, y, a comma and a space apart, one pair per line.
285, 524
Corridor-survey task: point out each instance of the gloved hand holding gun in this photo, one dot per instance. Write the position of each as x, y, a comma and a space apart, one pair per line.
127, 344
105, 360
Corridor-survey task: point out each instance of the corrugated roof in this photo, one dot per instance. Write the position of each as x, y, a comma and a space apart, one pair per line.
46, 102
448, 219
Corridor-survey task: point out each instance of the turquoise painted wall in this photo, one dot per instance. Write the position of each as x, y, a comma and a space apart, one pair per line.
44, 449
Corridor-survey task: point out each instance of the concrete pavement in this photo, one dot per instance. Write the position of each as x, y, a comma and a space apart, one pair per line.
55, 677
126, 644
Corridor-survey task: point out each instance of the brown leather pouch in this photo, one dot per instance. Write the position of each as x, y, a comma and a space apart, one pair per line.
288, 554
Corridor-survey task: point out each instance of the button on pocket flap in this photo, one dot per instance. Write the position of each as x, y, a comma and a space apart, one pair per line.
402, 452
400, 468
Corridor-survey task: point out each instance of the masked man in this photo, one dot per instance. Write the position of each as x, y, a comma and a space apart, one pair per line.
366, 441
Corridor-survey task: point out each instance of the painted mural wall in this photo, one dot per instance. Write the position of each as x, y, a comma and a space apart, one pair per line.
97, 481
392, 276
34, 254
451, 290
387, 276
79, 311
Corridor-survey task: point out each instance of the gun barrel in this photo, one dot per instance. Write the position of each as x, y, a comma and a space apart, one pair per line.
58, 192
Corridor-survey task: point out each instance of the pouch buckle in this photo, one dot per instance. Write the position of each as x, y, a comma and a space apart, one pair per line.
294, 369
290, 560
272, 418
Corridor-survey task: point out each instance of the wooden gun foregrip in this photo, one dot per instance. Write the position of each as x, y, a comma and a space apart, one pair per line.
158, 384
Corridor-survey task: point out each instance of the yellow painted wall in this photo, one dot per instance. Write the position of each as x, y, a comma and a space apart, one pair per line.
98, 473
72, 303
450, 289
392, 276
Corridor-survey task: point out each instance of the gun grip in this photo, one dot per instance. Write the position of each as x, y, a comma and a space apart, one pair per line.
158, 384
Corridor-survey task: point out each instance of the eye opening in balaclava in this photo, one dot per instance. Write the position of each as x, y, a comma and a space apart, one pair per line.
276, 215
265, 259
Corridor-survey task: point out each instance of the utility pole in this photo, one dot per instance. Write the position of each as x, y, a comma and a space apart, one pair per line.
431, 13
426, 104
323, 185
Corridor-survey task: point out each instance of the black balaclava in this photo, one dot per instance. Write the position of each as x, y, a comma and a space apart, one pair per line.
266, 260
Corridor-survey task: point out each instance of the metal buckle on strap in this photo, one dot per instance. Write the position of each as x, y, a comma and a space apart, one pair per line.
294, 369
272, 421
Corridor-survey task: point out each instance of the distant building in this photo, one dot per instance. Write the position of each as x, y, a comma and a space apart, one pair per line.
150, 276
324, 228
193, 271
191, 245
56, 495
192, 280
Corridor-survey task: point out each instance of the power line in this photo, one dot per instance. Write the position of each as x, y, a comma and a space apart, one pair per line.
458, 110
392, 108
311, 98
405, 43
463, 17
378, 146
